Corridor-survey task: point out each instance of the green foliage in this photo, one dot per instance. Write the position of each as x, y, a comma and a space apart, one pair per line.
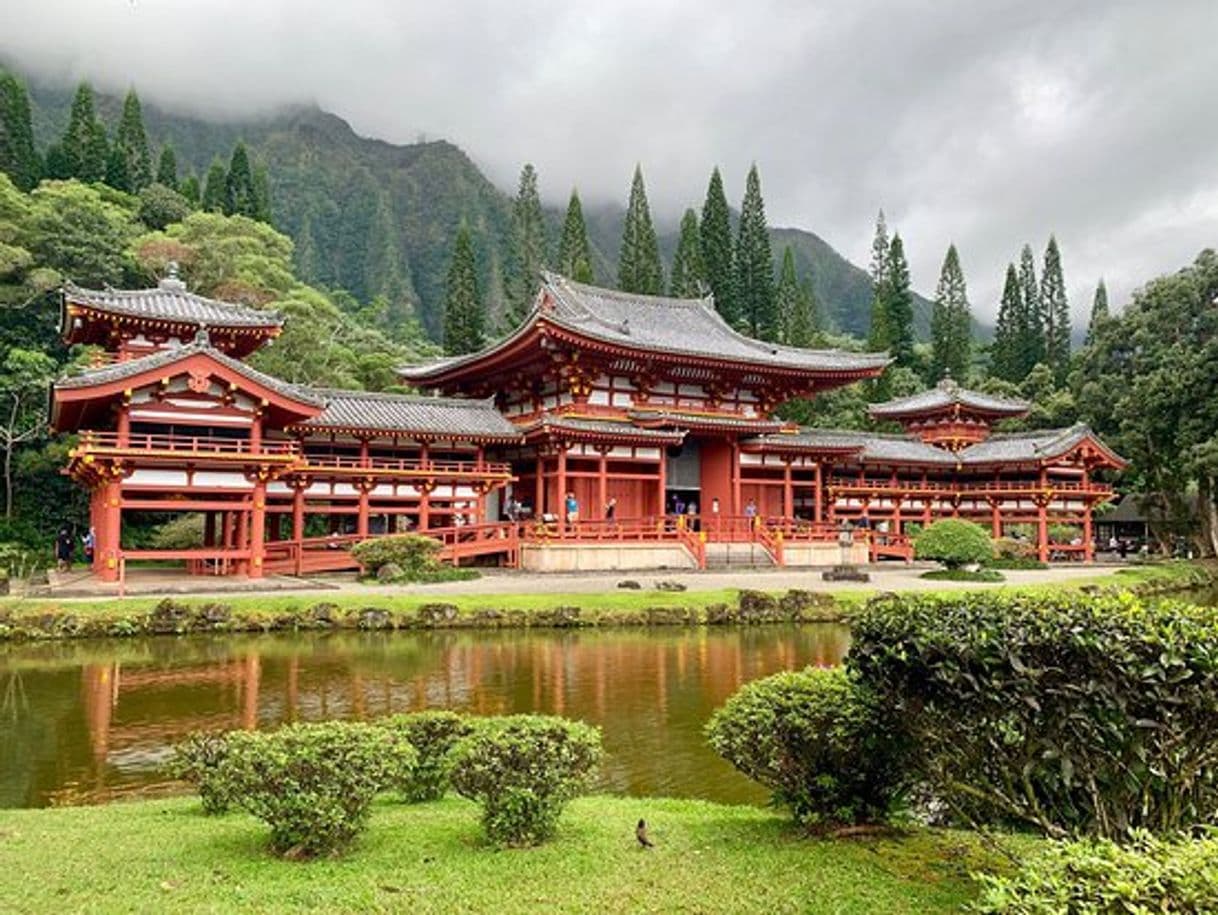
415, 554
527, 252
988, 574
1006, 352
639, 268
81, 231
185, 532
786, 294
878, 334
1101, 877
24, 376
385, 270
819, 741
898, 305
951, 322
754, 263
312, 784
131, 146
215, 188
1099, 313
18, 156
574, 252
954, 543
84, 142
1077, 714
523, 769
432, 735
715, 240
688, 272
464, 312
167, 168
161, 205
197, 760
240, 195
1032, 349
1055, 312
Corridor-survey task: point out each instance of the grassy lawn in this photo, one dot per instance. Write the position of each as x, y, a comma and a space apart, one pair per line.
166, 856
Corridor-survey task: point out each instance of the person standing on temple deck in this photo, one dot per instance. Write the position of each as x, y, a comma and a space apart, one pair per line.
89, 542
691, 514
64, 548
610, 509
750, 510
715, 512
572, 508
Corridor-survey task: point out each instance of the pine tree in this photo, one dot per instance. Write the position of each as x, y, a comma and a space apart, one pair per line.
527, 252
878, 337
755, 265
950, 328
805, 318
57, 165
1032, 347
688, 272
574, 252
167, 168
1099, 312
1006, 353
1055, 313
84, 141
117, 175
240, 197
262, 195
190, 189
639, 269
18, 156
786, 293
464, 313
132, 142
214, 187
898, 304
715, 236
384, 275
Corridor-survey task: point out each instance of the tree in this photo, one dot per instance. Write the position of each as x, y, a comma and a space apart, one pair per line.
1099, 312
898, 305
24, 377
688, 272
214, 188
80, 231
786, 293
878, 338
84, 141
639, 269
262, 195
954, 542
306, 257
167, 168
754, 287
18, 156
383, 269
1032, 347
527, 250
1006, 353
715, 236
240, 196
161, 205
1055, 313
117, 175
464, 313
951, 332
190, 190
805, 318
574, 253
131, 141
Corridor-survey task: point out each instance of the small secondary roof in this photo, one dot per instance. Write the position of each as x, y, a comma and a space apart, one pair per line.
170, 301
945, 395
412, 414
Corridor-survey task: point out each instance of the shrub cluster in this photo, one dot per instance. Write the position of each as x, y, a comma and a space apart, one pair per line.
413, 554
523, 769
432, 735
197, 760
1098, 876
954, 543
819, 741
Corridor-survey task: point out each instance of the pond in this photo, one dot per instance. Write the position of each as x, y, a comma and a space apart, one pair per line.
86, 722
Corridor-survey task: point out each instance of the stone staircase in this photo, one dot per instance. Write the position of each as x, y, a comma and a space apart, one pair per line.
738, 556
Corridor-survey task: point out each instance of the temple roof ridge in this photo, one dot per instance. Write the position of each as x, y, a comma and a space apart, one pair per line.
170, 301
946, 394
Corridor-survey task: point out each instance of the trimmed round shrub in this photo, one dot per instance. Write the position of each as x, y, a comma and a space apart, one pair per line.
523, 769
433, 736
313, 784
197, 760
954, 543
819, 741
415, 554
1147, 874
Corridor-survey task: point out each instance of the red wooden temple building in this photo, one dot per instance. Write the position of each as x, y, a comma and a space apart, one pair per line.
600, 398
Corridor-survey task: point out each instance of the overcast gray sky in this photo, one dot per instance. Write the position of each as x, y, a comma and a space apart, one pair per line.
984, 123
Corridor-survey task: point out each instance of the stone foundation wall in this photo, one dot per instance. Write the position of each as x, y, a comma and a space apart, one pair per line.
600, 557
822, 554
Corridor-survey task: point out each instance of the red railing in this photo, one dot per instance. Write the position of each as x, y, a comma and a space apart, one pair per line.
466, 541
157, 443
911, 486
355, 465
897, 546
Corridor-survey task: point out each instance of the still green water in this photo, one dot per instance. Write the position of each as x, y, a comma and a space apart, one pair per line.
86, 722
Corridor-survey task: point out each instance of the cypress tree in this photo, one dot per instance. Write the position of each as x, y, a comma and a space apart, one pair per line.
190, 189
878, 337
117, 175
132, 142
688, 272
715, 237
167, 168
1099, 312
786, 293
898, 304
1032, 348
574, 252
805, 319
99, 151
214, 187
84, 141
1055, 313
1006, 355
18, 156
755, 265
950, 322
464, 314
639, 268
527, 254
262, 196
57, 165
240, 197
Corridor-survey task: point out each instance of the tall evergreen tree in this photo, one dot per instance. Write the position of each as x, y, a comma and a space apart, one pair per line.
384, 273
878, 335
57, 164
805, 318
262, 195
214, 187
1032, 349
190, 189
1006, 352
84, 141
898, 304
18, 156
639, 269
574, 252
527, 251
1055, 313
240, 196
786, 294
305, 256
755, 265
132, 142
464, 313
1099, 312
688, 272
117, 175
950, 329
715, 236
167, 167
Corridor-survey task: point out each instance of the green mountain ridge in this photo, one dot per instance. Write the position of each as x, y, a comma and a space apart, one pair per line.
343, 198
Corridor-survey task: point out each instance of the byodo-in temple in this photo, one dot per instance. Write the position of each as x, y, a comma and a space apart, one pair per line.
610, 430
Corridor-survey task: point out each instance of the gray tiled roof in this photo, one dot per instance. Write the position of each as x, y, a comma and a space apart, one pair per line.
686, 327
870, 446
677, 418
412, 413
947, 394
1029, 446
602, 427
170, 301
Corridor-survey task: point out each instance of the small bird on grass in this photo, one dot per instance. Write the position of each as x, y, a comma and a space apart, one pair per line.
640, 833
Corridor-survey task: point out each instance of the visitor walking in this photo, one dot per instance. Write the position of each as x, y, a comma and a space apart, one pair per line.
611, 509
572, 508
65, 547
750, 509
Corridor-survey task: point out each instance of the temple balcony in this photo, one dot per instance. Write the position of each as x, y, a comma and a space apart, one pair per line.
913, 487
96, 453
352, 466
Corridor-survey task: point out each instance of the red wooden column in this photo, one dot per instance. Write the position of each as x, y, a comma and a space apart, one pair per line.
242, 539
361, 518
109, 529
1088, 551
562, 484
1042, 519
124, 423
257, 529
298, 507
424, 489
737, 501
788, 491
995, 519
539, 487
662, 482
602, 484
816, 503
